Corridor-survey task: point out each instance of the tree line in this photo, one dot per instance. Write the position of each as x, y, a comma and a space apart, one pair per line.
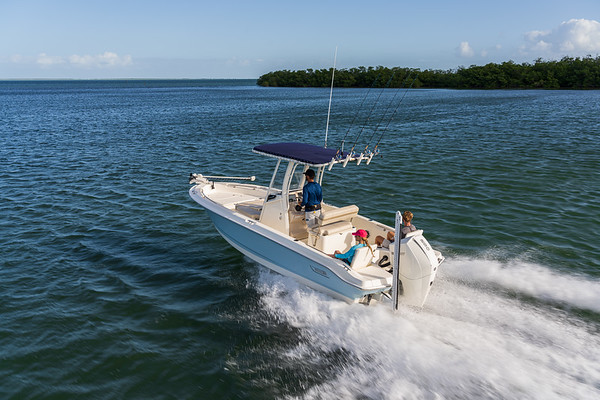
567, 73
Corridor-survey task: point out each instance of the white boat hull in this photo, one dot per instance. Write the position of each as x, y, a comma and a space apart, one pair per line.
289, 257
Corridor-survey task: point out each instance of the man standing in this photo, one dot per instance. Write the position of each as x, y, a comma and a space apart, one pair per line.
312, 195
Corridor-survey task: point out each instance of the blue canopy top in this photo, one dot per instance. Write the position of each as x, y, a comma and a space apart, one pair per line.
302, 152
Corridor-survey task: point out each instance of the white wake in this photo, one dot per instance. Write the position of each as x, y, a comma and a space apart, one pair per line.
475, 337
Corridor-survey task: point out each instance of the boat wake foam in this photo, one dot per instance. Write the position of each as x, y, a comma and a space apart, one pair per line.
467, 342
529, 279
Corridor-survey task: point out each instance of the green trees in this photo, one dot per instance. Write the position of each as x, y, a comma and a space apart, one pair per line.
304, 78
568, 73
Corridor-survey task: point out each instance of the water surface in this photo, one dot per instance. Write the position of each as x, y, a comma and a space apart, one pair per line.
116, 285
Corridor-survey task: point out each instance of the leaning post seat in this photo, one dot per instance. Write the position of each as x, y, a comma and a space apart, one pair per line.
337, 214
334, 230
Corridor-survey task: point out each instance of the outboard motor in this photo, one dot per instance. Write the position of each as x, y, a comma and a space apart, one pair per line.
418, 266
415, 268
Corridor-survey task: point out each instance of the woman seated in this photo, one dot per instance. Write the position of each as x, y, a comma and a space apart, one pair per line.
362, 241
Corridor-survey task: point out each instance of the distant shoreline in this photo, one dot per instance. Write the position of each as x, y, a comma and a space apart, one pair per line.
119, 79
568, 73
93, 84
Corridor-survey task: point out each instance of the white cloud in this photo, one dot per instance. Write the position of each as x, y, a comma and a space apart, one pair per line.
107, 59
46, 61
576, 37
465, 50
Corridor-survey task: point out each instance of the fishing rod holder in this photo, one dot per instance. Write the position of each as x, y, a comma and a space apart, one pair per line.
360, 158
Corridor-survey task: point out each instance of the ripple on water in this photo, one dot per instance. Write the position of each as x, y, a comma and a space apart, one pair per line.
116, 285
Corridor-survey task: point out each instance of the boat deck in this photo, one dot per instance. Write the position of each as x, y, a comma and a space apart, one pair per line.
231, 199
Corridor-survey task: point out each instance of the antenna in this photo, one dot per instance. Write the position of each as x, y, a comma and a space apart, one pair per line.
330, 95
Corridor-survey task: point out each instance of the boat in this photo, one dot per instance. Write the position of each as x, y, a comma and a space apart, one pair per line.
262, 222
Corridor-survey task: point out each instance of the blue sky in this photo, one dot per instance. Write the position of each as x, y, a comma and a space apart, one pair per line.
245, 39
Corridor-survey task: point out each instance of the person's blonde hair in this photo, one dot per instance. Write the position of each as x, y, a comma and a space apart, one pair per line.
407, 216
366, 241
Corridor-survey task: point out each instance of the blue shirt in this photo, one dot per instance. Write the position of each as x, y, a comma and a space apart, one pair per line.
311, 194
349, 255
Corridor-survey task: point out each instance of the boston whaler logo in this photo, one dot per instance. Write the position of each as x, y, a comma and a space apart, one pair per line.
319, 271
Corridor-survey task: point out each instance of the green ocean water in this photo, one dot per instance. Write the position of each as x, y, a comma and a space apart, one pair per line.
116, 285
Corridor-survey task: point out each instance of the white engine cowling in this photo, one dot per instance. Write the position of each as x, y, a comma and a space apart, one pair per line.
417, 268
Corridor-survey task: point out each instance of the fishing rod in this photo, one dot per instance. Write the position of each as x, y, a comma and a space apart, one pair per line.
341, 148
394, 113
385, 113
369, 116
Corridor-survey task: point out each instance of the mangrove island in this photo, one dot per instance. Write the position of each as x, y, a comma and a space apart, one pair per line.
568, 73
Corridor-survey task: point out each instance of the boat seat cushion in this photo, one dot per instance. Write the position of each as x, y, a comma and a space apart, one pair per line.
362, 258
336, 227
378, 276
337, 215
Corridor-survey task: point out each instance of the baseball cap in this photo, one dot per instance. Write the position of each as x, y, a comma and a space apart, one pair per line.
362, 233
310, 173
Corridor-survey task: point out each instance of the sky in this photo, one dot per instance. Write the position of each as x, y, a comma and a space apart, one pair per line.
131, 39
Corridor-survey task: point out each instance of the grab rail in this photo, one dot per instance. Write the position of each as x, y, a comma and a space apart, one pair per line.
197, 178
